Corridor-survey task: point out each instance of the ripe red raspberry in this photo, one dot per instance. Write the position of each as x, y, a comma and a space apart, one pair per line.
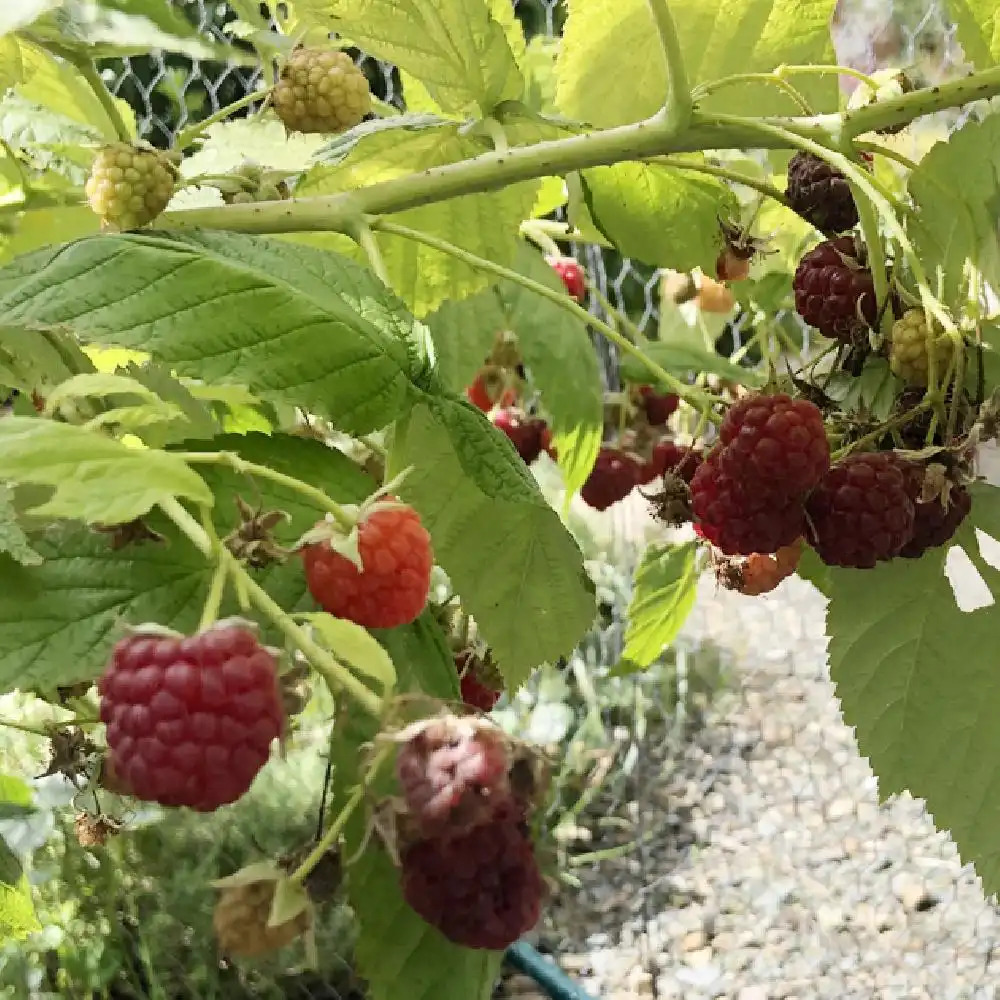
861, 512
668, 456
480, 890
833, 292
741, 521
613, 477
775, 444
659, 406
397, 558
820, 193
934, 525
476, 692
524, 432
573, 277
190, 720
453, 773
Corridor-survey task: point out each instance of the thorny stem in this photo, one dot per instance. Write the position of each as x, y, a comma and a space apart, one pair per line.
329, 838
237, 464
696, 398
677, 106
193, 132
770, 79
93, 77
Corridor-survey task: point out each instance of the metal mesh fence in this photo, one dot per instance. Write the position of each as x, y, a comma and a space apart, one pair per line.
722, 845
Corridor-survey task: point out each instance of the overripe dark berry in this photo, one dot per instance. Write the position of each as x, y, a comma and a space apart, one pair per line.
738, 520
820, 193
659, 406
190, 720
668, 456
453, 774
525, 433
934, 523
861, 512
481, 890
479, 688
614, 476
834, 292
774, 444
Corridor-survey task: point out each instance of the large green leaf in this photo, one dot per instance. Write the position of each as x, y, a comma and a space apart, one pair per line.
464, 333
666, 585
612, 71
977, 23
59, 620
660, 215
956, 194
483, 224
558, 350
289, 322
454, 47
917, 680
34, 360
13, 541
519, 571
95, 478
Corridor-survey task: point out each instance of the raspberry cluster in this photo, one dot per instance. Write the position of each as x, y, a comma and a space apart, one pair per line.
190, 720
469, 869
749, 493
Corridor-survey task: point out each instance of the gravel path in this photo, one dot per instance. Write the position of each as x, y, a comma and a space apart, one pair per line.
769, 870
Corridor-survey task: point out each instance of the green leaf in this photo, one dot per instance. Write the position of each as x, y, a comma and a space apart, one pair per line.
95, 478
813, 570
956, 194
666, 585
289, 322
197, 420
33, 360
17, 912
265, 142
463, 334
13, 541
46, 642
917, 680
455, 47
355, 646
683, 359
425, 662
98, 384
519, 571
483, 224
660, 215
558, 350
611, 68
872, 393
977, 23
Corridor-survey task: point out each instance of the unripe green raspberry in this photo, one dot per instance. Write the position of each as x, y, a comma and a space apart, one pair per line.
321, 90
908, 348
129, 186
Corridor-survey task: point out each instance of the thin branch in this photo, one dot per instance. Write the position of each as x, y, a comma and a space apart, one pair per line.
677, 106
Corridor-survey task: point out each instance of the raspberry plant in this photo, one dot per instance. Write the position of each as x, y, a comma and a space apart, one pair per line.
282, 370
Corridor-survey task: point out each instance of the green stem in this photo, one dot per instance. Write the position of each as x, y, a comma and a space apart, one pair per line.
495, 131
884, 428
889, 154
194, 532
93, 77
540, 237
194, 131
733, 176
617, 316
214, 599
237, 464
365, 239
329, 838
563, 231
807, 70
737, 79
697, 399
22, 727
677, 106
876, 255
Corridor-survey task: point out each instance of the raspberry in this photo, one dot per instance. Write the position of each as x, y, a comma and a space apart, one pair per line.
730, 266
321, 90
761, 573
658, 405
190, 720
820, 193
524, 433
128, 186
476, 692
741, 521
861, 512
934, 524
453, 773
908, 348
478, 394
573, 277
671, 457
392, 588
241, 917
775, 444
612, 479
833, 292
480, 890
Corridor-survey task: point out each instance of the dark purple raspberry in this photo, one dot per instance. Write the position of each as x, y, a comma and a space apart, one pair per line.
934, 525
820, 193
834, 292
480, 890
190, 720
668, 456
613, 477
861, 512
774, 444
741, 521
525, 433
659, 406
453, 774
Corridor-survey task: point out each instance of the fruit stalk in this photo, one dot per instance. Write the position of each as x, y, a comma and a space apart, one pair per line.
188, 135
738, 79
90, 73
677, 106
329, 838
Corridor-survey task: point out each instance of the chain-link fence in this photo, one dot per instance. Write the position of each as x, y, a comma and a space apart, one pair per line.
722, 845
